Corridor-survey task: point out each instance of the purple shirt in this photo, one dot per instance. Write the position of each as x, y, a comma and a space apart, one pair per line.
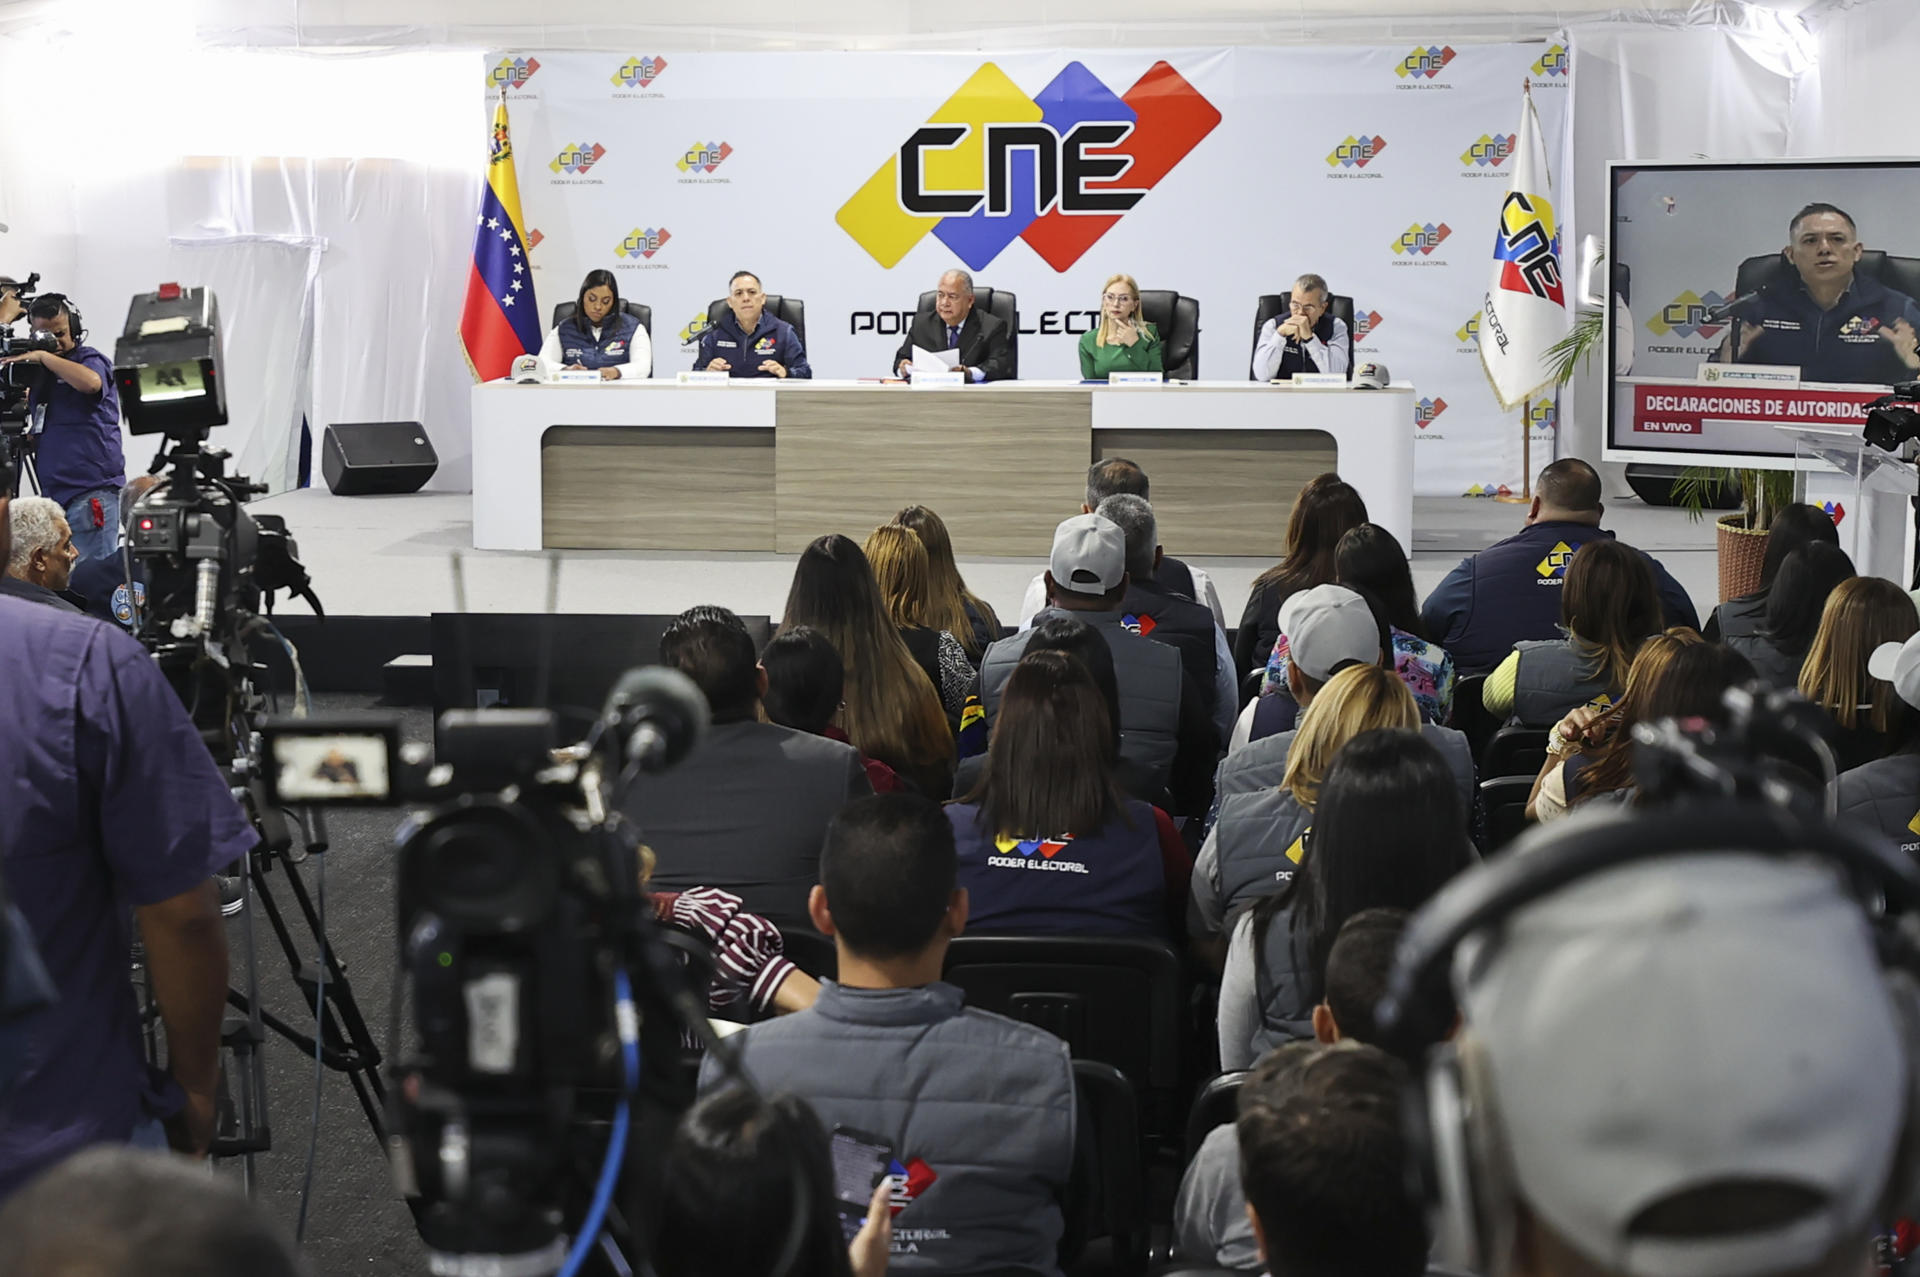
80, 446
108, 800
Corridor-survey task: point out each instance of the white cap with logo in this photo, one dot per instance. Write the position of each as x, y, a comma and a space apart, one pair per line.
1089, 554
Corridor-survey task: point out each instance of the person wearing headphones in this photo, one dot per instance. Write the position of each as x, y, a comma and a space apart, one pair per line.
80, 462
599, 334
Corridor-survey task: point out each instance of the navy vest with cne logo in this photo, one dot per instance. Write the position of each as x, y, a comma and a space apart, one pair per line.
615, 345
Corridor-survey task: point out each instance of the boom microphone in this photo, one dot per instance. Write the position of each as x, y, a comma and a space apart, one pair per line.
1728, 308
659, 715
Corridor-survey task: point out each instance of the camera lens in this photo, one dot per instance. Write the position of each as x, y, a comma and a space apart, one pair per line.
482, 865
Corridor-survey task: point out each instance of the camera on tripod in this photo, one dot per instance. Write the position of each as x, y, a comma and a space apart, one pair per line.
1894, 419
537, 978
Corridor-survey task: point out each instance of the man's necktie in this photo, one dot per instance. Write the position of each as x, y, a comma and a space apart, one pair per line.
953, 336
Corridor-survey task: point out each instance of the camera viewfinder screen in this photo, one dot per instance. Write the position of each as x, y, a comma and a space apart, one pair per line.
332, 767
160, 383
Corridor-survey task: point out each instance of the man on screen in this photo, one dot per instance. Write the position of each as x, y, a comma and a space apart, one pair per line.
1834, 324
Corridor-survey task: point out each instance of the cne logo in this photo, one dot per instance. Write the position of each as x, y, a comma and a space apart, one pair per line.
1364, 323
1556, 561
1424, 63
1543, 417
1552, 63
1045, 848
703, 157
1421, 238
1688, 316
1138, 624
1468, 334
1356, 152
576, 160
1425, 410
533, 238
1488, 490
1491, 150
642, 243
910, 1182
1528, 247
511, 72
638, 73
1860, 326
1913, 826
697, 325
1835, 511
1057, 169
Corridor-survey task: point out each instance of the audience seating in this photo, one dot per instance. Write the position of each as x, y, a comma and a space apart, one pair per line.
1177, 320
563, 311
999, 303
1504, 799
1107, 1193
791, 309
1470, 714
1217, 1104
1515, 751
1273, 305
812, 952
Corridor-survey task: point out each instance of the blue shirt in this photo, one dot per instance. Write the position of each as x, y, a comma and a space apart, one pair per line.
772, 339
1110, 882
1841, 345
108, 801
80, 444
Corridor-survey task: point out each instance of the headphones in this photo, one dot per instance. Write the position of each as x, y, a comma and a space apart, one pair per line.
1456, 1144
75, 329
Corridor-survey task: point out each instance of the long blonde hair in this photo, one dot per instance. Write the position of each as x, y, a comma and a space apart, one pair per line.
900, 569
1107, 334
1861, 614
1358, 699
950, 597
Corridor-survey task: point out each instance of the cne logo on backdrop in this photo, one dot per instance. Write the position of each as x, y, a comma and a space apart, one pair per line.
641, 243
691, 333
1353, 154
700, 160
1552, 65
1468, 334
1057, 169
575, 159
511, 72
1425, 410
638, 73
1686, 316
1484, 157
1424, 64
1365, 323
1542, 418
1419, 240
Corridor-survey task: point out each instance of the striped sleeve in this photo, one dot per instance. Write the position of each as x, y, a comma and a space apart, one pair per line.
748, 955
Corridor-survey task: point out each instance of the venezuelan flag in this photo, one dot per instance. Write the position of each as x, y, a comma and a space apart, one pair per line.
501, 321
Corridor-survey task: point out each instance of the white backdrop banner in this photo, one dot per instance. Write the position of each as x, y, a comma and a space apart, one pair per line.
853, 180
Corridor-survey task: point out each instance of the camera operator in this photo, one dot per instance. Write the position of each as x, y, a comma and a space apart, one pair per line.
80, 462
113, 812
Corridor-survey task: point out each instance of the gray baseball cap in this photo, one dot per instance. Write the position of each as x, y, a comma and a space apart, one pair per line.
1327, 625
1899, 664
1683, 1023
1089, 554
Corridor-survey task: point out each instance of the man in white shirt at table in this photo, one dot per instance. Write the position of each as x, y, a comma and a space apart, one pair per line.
1308, 339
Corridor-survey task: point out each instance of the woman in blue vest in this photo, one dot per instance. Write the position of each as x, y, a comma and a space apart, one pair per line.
1049, 844
599, 334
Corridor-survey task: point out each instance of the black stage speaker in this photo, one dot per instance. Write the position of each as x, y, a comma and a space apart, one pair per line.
362, 457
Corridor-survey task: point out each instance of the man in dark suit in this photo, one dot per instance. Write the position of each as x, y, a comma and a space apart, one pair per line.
747, 810
984, 342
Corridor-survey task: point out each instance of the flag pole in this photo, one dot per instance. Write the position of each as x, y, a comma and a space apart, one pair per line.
1526, 449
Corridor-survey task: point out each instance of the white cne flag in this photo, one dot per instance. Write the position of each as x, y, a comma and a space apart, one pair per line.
1525, 311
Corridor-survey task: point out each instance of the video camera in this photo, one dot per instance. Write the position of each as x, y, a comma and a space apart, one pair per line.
546, 1004
1893, 419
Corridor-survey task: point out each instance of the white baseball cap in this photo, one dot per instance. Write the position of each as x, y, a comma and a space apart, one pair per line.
1327, 625
1089, 554
1899, 664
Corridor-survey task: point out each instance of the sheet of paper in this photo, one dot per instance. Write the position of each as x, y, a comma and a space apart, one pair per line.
934, 360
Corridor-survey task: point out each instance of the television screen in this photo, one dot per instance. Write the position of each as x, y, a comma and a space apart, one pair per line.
1748, 297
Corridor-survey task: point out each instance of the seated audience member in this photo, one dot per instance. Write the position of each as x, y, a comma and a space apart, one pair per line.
899, 563
980, 1107
745, 811
1050, 799
748, 342
982, 343
733, 1163
1261, 835
1123, 342
1608, 607
102, 585
1795, 602
1793, 526
893, 710
41, 564
1167, 618
1677, 674
1164, 727
1883, 796
1335, 627
1510, 591
1661, 1107
122, 1212
1307, 339
1388, 832
956, 609
600, 335
804, 681
1369, 561
1112, 477
1327, 508
751, 972
1861, 616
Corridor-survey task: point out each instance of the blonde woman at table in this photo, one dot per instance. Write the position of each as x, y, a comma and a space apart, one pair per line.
1123, 342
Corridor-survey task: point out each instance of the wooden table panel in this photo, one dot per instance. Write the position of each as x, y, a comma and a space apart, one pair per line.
1002, 467
1222, 491
657, 488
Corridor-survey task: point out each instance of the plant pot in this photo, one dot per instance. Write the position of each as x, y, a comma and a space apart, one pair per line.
1743, 552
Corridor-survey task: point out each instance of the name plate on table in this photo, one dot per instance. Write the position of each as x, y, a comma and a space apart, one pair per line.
938, 380
1748, 375
1137, 379
1317, 379
577, 376
690, 378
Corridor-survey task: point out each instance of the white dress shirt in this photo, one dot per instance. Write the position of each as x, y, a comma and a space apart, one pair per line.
1327, 356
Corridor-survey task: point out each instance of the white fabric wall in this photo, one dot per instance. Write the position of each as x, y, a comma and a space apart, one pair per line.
1866, 51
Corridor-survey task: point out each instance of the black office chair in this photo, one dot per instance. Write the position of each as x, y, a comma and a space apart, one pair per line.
999, 303
812, 952
1218, 1104
1504, 799
1119, 1000
1107, 1188
1515, 751
791, 309
564, 311
1273, 305
1773, 270
1470, 714
1177, 320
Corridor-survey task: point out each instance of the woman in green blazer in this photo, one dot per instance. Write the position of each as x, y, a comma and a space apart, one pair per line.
1123, 342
